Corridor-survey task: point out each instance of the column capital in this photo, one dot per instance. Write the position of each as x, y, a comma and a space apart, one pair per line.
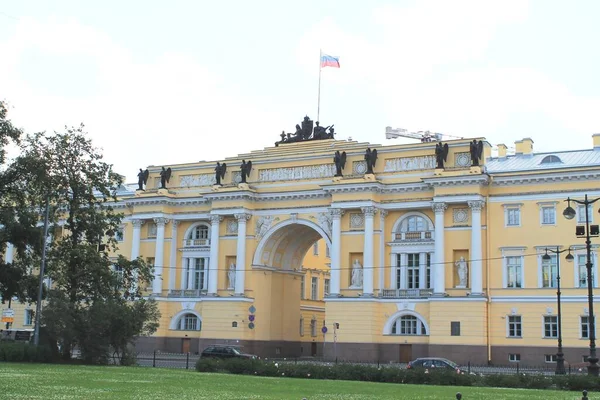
439, 206
369, 211
242, 217
383, 214
476, 205
161, 221
336, 213
175, 223
137, 223
215, 219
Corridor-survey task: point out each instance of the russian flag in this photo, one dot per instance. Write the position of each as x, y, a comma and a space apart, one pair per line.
329, 61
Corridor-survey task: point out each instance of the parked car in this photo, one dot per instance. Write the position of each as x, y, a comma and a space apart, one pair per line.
433, 363
223, 351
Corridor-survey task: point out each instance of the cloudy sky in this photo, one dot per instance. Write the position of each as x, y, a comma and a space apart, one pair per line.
160, 82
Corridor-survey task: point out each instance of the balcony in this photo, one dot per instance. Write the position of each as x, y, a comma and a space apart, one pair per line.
187, 293
413, 236
406, 293
196, 243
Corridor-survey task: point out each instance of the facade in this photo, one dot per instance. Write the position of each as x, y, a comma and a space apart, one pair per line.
407, 262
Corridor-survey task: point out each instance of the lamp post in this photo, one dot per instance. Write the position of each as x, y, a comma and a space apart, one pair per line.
560, 356
587, 232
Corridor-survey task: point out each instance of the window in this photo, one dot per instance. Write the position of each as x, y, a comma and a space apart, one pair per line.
302, 288
118, 271
412, 272
514, 326
316, 249
301, 326
408, 325
415, 224
313, 327
152, 229
548, 215
326, 287
428, 272
582, 271
514, 357
199, 232
314, 288
551, 327
550, 358
119, 236
581, 214
551, 159
455, 328
199, 274
549, 272
189, 322
585, 327
513, 272
513, 216
28, 320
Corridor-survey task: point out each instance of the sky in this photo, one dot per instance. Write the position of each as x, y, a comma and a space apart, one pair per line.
164, 83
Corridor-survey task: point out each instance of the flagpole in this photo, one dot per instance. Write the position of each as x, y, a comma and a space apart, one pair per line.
319, 98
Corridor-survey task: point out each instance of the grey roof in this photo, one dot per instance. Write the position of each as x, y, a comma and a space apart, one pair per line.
529, 162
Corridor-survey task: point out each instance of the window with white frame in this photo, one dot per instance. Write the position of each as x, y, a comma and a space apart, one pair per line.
408, 325
549, 272
514, 357
585, 326
326, 287
414, 224
119, 235
314, 288
302, 288
412, 271
118, 271
200, 232
581, 214
198, 274
313, 327
189, 322
428, 271
581, 271
316, 249
514, 271
548, 215
28, 317
550, 326
512, 215
514, 326
549, 358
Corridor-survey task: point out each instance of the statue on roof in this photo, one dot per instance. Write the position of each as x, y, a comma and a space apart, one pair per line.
165, 176
476, 150
441, 154
340, 162
370, 158
142, 178
220, 172
246, 167
305, 131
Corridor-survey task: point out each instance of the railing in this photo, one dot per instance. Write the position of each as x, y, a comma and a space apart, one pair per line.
406, 293
413, 235
187, 293
196, 242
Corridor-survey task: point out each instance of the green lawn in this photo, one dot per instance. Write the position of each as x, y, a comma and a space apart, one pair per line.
49, 382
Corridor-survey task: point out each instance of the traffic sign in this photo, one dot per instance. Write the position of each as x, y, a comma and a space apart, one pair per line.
324, 330
8, 315
251, 318
252, 309
251, 325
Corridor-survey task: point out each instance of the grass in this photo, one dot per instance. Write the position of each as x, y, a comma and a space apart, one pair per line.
50, 382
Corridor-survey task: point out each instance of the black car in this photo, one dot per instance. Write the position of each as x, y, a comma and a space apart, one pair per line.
225, 352
433, 363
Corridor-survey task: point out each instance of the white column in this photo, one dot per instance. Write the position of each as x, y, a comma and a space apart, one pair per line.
422, 270
381, 267
9, 256
173, 255
368, 268
336, 251
240, 261
191, 271
439, 266
403, 271
135, 239
184, 272
159, 253
214, 254
476, 252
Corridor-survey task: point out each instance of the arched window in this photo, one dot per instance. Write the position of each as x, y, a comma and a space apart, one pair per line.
199, 232
413, 227
551, 160
408, 325
414, 224
189, 322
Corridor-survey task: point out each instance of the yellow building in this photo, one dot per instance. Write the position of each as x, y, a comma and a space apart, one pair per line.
408, 261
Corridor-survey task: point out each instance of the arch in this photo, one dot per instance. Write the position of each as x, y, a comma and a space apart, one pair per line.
551, 159
285, 244
400, 220
194, 226
175, 321
387, 328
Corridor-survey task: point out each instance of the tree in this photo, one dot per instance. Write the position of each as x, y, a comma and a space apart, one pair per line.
82, 190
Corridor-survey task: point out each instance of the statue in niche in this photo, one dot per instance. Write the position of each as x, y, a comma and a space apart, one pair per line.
231, 276
476, 150
220, 172
461, 268
142, 178
246, 167
340, 162
441, 154
370, 158
357, 275
165, 176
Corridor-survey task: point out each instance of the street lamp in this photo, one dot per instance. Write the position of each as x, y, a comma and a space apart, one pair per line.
588, 232
560, 356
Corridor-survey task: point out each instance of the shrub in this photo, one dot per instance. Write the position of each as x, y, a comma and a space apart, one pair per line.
24, 352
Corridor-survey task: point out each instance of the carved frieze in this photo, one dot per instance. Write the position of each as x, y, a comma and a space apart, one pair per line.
359, 167
409, 163
462, 159
357, 221
324, 220
263, 224
294, 173
197, 180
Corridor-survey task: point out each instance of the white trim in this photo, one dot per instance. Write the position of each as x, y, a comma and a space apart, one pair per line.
539, 299
399, 220
514, 206
194, 226
508, 316
175, 321
387, 328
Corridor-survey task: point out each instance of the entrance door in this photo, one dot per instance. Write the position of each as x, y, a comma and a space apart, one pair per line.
405, 353
313, 349
185, 345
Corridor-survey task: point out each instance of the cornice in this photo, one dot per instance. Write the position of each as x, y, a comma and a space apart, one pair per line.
545, 178
479, 179
407, 243
366, 186
305, 195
